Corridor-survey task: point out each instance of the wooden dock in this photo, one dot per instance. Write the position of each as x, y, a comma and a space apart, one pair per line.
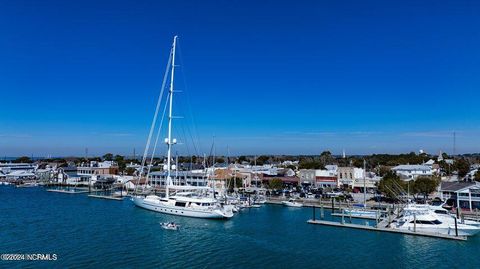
107, 197
388, 230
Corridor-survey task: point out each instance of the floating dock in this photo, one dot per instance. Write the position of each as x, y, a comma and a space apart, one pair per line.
107, 197
353, 216
388, 230
67, 191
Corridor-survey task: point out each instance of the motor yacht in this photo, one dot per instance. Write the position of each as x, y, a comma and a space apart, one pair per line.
423, 219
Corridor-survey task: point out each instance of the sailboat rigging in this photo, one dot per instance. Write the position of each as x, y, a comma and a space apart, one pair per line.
186, 201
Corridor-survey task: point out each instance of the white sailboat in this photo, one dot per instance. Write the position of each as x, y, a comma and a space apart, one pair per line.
186, 201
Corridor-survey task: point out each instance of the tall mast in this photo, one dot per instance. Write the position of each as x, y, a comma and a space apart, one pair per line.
170, 117
364, 184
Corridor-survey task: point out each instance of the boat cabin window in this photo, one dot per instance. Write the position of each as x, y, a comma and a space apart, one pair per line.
435, 222
181, 204
441, 212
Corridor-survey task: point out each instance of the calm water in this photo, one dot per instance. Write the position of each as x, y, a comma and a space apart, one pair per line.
87, 232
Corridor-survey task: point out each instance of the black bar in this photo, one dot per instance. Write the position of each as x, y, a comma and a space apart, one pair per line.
313, 207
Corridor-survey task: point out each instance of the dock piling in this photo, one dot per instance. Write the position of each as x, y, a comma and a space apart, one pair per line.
333, 205
456, 229
414, 223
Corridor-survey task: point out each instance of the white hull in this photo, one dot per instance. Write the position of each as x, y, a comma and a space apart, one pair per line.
462, 231
292, 204
180, 211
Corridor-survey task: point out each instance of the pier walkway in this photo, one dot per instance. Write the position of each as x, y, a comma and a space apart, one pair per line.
381, 229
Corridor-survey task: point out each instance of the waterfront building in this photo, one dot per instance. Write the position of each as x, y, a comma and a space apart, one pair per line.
179, 178
18, 171
98, 168
466, 195
10, 167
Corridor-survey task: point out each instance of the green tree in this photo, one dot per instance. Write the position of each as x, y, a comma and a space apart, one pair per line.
326, 158
23, 159
235, 182
275, 184
261, 160
391, 185
108, 157
130, 171
120, 160
463, 167
477, 175
425, 186
242, 159
310, 163
382, 170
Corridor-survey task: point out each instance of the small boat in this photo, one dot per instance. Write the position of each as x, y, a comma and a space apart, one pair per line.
28, 185
292, 203
169, 225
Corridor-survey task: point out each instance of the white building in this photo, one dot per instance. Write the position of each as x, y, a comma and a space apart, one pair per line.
18, 171
348, 175
412, 171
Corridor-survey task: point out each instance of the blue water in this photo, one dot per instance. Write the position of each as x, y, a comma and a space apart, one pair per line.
87, 232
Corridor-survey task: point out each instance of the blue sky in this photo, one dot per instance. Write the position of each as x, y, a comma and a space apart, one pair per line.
277, 77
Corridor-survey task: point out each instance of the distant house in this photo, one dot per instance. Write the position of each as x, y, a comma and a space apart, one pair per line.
412, 171
98, 168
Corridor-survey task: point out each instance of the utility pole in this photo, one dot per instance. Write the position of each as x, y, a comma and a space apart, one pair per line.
454, 143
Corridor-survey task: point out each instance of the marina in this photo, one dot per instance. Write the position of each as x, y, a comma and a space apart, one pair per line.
281, 234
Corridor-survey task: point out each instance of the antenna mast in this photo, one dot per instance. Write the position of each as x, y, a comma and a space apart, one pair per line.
454, 143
